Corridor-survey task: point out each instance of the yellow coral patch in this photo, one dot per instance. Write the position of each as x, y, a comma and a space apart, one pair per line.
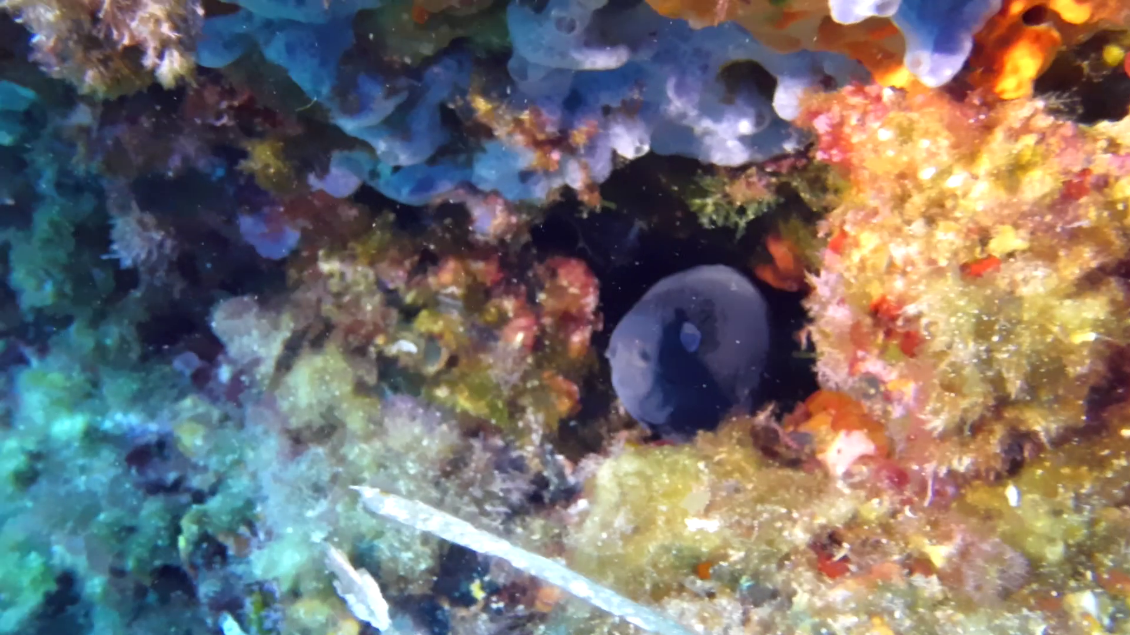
1006, 240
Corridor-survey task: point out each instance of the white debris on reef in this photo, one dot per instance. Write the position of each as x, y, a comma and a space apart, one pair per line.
359, 590
431, 520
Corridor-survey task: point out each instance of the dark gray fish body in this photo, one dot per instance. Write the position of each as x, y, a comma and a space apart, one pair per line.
691, 350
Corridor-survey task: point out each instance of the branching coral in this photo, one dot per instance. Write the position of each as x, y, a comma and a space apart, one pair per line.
108, 47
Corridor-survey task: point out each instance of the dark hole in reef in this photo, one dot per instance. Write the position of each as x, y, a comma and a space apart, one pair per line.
537, 6
573, 101
396, 380
142, 455
60, 601
17, 197
13, 39
1105, 397
458, 570
615, 6
228, 598
166, 329
126, 281
215, 8
196, 191
649, 236
168, 580
1016, 450
29, 472
1080, 86
426, 612
294, 345
1035, 16
407, 219
747, 73
34, 335
219, 258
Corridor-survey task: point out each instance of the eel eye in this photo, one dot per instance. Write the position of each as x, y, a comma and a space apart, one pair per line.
690, 337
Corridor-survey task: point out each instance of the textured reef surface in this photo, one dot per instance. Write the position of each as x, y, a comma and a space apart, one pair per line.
332, 317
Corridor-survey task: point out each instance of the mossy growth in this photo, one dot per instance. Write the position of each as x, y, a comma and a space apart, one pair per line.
320, 614
1048, 511
733, 198
318, 391
108, 48
28, 580
51, 268
971, 265
406, 31
655, 514
271, 166
711, 198
472, 390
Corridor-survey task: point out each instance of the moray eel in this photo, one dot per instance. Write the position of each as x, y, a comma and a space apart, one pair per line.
691, 350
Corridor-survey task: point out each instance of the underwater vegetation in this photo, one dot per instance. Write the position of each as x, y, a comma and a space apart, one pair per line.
568, 316
992, 311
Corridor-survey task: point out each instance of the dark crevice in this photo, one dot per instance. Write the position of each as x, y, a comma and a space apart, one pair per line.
651, 235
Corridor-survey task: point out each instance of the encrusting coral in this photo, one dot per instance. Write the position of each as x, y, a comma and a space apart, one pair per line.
973, 271
475, 341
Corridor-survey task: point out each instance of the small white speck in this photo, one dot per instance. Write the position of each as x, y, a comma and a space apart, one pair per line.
228, 625
404, 346
703, 524
579, 589
1013, 495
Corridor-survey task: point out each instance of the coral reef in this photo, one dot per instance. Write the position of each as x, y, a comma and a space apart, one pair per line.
266, 263
109, 47
976, 276
1009, 43
558, 117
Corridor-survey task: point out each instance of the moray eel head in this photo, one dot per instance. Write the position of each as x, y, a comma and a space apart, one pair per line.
691, 350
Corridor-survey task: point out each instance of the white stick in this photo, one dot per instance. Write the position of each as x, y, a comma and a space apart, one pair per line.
359, 590
426, 518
